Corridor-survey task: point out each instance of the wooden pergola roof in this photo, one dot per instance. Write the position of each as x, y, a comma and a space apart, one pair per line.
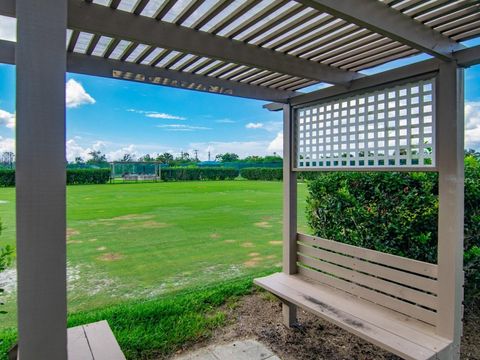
266, 49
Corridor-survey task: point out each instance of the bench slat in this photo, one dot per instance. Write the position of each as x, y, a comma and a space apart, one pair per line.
78, 348
373, 282
410, 265
325, 307
102, 342
367, 294
396, 333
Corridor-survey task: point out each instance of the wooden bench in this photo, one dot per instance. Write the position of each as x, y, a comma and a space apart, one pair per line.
93, 341
388, 300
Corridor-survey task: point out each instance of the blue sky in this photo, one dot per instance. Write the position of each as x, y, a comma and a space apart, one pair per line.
118, 117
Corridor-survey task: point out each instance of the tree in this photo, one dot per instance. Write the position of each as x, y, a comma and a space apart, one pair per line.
96, 157
165, 158
8, 159
127, 157
146, 158
79, 160
227, 157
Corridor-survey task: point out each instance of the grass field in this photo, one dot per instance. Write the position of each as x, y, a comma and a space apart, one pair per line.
141, 241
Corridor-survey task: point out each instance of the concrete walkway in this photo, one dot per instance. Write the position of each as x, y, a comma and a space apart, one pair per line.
238, 350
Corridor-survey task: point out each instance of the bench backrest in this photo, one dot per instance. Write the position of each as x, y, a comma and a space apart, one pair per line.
407, 286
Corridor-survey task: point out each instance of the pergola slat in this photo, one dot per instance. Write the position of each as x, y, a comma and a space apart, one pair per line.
384, 20
98, 19
217, 9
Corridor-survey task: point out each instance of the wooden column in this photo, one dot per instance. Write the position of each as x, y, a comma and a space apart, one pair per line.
41, 178
450, 158
289, 211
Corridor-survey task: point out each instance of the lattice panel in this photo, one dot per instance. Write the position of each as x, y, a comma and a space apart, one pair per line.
389, 128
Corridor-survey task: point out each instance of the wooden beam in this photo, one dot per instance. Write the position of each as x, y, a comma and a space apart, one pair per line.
98, 66
41, 200
384, 20
289, 211
450, 158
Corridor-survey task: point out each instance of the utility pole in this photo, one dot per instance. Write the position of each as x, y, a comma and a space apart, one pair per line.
196, 154
209, 156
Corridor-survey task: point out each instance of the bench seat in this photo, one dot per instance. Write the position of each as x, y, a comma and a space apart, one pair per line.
391, 330
93, 341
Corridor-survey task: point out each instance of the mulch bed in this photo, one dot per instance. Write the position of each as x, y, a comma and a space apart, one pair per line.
259, 316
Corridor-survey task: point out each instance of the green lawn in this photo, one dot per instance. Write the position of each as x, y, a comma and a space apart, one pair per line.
140, 241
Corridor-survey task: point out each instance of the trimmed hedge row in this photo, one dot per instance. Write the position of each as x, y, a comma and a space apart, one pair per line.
87, 176
267, 174
396, 213
7, 178
204, 173
74, 177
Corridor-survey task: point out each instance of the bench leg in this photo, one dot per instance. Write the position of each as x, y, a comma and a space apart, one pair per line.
289, 314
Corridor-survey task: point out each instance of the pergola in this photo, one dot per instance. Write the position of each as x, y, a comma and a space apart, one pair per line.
269, 50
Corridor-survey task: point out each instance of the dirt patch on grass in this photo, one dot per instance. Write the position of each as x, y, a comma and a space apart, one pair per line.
74, 242
92, 240
150, 224
111, 257
263, 225
254, 254
247, 244
214, 236
229, 241
72, 232
131, 217
251, 263
276, 242
101, 248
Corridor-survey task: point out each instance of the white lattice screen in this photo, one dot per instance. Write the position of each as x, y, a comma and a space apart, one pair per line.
392, 127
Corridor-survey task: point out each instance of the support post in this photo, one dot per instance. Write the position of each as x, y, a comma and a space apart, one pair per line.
41, 178
289, 211
450, 150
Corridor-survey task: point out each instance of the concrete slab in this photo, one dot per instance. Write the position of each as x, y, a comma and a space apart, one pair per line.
237, 350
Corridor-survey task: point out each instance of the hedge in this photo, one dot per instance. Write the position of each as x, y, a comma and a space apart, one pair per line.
74, 177
197, 173
87, 176
396, 213
262, 173
7, 178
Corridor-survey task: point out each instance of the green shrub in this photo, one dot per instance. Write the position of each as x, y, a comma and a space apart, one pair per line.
7, 177
396, 213
74, 177
5, 260
262, 173
198, 173
87, 176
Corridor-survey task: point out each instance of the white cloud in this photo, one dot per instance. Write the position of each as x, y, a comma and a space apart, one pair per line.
157, 115
165, 116
76, 95
8, 28
225, 121
181, 127
7, 144
276, 145
254, 125
7, 119
472, 124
